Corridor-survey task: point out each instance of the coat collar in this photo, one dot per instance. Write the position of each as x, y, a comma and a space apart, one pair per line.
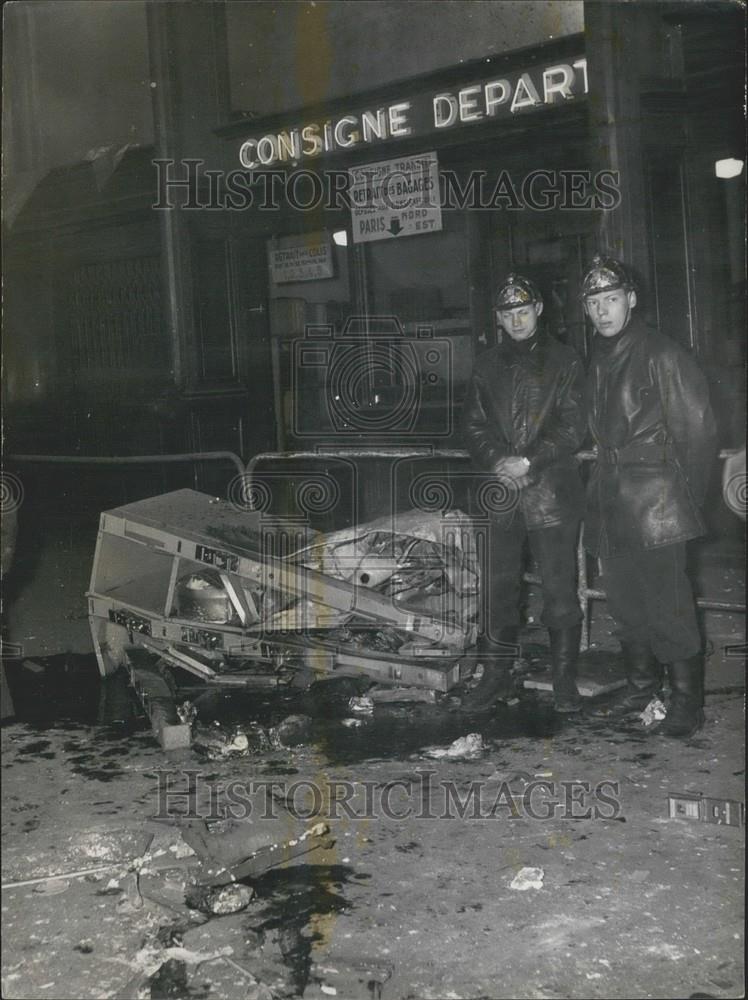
511, 355
605, 353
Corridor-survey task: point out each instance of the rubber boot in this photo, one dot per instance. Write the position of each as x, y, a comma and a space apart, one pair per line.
496, 684
564, 656
685, 714
643, 681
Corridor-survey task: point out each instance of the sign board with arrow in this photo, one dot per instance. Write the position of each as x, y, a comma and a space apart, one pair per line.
395, 198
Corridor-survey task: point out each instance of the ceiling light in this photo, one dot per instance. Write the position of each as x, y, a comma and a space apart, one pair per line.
728, 168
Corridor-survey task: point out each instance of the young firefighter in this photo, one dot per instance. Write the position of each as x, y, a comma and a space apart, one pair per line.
650, 418
523, 421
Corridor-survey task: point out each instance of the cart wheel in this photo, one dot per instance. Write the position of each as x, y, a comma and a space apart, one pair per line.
109, 641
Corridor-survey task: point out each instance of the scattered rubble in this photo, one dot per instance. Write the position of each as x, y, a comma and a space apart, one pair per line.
348, 976
220, 902
51, 887
187, 713
527, 878
263, 963
363, 705
352, 723
292, 731
219, 742
238, 850
654, 712
465, 748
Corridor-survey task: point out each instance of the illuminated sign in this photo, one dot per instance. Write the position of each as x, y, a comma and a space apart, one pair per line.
425, 113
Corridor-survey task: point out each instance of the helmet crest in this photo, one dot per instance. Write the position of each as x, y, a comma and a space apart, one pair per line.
605, 275
517, 291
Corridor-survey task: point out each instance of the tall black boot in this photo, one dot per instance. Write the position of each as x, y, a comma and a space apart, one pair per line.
564, 655
685, 714
496, 684
643, 682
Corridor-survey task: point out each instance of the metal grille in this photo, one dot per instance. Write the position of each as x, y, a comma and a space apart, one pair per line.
115, 315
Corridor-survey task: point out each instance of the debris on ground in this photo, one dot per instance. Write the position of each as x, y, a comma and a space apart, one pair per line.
464, 747
240, 849
639, 875
151, 957
187, 713
258, 951
103, 845
292, 731
220, 914
363, 705
51, 887
131, 899
219, 742
349, 976
220, 902
654, 712
328, 697
527, 878
261, 961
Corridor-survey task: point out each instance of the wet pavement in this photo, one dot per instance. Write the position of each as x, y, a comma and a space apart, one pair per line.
416, 898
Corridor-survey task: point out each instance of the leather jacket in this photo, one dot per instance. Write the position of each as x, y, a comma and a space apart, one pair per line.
649, 412
529, 403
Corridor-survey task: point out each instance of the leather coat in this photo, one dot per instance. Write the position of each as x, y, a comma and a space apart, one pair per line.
650, 418
529, 403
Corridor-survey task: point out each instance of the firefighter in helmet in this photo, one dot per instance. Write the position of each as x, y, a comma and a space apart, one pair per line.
654, 432
523, 420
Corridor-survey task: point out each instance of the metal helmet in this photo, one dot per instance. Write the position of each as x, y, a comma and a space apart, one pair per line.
606, 274
517, 291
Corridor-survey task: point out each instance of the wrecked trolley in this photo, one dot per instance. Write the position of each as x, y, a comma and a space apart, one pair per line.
242, 599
